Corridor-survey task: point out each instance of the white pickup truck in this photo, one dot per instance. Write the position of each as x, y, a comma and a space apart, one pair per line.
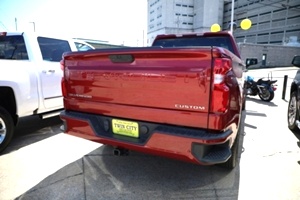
30, 77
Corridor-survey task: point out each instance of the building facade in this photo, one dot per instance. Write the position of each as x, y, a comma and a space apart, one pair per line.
273, 21
181, 16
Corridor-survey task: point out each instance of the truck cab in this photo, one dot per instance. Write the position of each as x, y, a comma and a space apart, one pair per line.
30, 78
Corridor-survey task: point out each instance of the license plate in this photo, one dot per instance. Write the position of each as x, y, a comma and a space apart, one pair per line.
126, 128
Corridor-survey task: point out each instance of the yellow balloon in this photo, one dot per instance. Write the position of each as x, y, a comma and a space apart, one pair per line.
215, 28
246, 24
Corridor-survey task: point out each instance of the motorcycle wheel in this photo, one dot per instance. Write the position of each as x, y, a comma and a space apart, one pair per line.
266, 95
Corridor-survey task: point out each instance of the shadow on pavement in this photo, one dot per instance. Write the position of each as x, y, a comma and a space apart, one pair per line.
253, 113
271, 104
101, 175
33, 129
250, 126
297, 135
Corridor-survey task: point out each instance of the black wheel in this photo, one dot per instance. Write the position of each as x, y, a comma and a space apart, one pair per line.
6, 128
244, 97
232, 161
266, 95
293, 112
244, 102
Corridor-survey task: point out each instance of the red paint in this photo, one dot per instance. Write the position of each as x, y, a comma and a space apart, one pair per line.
181, 87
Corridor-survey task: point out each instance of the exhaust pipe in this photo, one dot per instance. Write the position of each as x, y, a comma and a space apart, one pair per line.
120, 152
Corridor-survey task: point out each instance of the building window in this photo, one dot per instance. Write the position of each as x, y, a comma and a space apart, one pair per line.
262, 34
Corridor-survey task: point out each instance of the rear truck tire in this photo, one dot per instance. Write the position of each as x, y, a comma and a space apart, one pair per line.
232, 161
6, 128
293, 112
244, 97
244, 103
267, 95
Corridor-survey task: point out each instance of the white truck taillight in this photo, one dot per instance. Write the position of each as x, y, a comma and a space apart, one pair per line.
63, 80
62, 65
220, 90
63, 87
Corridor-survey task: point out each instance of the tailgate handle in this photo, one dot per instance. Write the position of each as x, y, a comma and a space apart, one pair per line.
121, 58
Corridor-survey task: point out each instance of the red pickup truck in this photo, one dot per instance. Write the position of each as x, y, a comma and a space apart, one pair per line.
181, 98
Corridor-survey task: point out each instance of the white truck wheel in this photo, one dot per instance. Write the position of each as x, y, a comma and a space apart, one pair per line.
6, 128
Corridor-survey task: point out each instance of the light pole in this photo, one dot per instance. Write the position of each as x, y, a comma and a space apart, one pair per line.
33, 25
232, 14
16, 23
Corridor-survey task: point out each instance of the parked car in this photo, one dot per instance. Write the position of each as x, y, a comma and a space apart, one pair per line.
293, 108
82, 46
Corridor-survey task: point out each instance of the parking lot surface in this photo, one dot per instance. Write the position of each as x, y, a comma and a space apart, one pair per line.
44, 163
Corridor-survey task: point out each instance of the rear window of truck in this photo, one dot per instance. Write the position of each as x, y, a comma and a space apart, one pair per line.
52, 49
13, 48
195, 41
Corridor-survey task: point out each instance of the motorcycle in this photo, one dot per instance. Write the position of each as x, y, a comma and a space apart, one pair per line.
263, 88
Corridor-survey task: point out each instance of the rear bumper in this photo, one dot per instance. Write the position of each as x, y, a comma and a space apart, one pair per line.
187, 144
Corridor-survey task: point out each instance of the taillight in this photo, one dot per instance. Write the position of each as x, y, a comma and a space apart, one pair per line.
220, 90
62, 65
63, 79
63, 87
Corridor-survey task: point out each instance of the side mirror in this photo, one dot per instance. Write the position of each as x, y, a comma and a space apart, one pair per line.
251, 61
296, 61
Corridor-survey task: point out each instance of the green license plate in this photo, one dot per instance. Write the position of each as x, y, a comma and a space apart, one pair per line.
126, 128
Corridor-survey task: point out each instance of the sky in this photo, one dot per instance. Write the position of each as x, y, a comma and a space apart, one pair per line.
119, 22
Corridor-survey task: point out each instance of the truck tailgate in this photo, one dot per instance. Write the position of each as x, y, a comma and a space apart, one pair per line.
162, 85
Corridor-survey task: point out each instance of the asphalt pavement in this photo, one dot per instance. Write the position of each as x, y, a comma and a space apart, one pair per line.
44, 163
